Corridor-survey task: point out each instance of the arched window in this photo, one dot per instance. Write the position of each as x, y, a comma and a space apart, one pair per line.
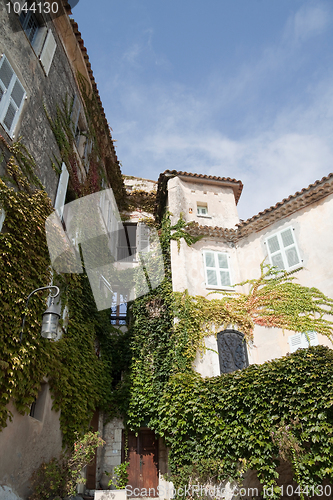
232, 351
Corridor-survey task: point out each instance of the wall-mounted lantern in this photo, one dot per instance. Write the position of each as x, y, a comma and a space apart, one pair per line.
50, 316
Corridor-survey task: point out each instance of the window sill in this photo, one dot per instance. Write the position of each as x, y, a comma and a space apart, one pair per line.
222, 288
204, 216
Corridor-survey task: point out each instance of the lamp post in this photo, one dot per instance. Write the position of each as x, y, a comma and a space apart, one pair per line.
50, 316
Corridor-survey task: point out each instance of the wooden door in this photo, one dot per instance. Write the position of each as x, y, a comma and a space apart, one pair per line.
143, 459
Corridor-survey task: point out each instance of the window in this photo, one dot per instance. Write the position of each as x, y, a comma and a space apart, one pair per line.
232, 351
132, 239
30, 25
282, 249
118, 309
302, 340
83, 143
217, 270
41, 39
61, 191
202, 209
12, 95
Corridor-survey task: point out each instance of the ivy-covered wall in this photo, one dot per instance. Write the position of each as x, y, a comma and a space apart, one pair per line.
79, 379
217, 429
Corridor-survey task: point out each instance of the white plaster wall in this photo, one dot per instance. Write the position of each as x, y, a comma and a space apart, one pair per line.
27, 442
184, 195
314, 235
207, 362
187, 265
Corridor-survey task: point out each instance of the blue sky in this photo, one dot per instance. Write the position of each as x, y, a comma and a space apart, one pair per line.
234, 88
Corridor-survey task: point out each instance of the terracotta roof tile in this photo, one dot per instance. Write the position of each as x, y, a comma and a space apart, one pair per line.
313, 193
83, 49
287, 206
237, 188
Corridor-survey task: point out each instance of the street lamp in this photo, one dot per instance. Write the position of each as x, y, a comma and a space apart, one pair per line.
50, 316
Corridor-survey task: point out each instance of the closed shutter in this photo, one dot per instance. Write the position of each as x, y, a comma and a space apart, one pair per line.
295, 342
275, 252
62, 190
282, 249
302, 340
48, 50
142, 235
217, 269
12, 96
290, 248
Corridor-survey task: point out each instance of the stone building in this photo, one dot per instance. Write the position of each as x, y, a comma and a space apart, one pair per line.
295, 233
44, 70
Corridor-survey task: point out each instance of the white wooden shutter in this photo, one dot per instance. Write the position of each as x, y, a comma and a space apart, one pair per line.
301, 340
48, 50
295, 342
275, 252
311, 337
2, 218
290, 248
142, 238
282, 249
61, 191
12, 96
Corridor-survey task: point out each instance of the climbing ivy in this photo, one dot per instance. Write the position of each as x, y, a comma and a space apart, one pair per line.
79, 379
218, 428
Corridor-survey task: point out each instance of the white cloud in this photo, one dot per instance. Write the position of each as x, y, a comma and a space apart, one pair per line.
311, 20
283, 146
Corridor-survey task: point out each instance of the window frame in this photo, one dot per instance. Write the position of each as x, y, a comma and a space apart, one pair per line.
201, 206
282, 249
118, 310
6, 99
219, 285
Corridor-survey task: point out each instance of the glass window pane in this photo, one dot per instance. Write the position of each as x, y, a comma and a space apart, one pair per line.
273, 244
209, 258
223, 261
17, 93
225, 278
211, 277
10, 115
6, 73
